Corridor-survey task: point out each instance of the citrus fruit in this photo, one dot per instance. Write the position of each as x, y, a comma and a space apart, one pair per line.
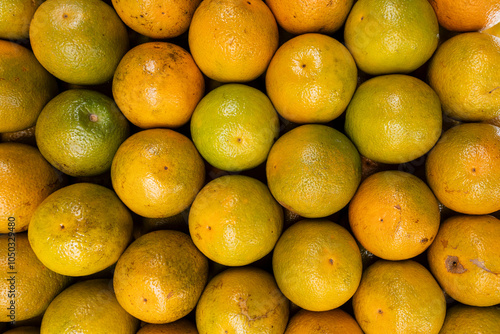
313, 170
80, 229
317, 264
24, 330
234, 220
88, 306
399, 297
25, 87
15, 17
463, 169
465, 259
26, 179
387, 36
492, 30
466, 15
182, 326
233, 40
462, 319
394, 118
394, 215
311, 79
316, 16
79, 131
158, 18
160, 277
78, 41
234, 127
242, 300
27, 286
157, 172
333, 321
157, 84
464, 74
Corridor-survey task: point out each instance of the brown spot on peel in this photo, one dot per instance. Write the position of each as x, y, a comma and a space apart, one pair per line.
453, 265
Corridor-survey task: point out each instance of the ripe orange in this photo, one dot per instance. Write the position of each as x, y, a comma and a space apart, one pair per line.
78, 41
399, 297
300, 17
464, 319
333, 321
394, 118
317, 264
158, 18
311, 79
182, 326
313, 170
463, 169
391, 36
15, 17
465, 259
157, 84
466, 15
233, 40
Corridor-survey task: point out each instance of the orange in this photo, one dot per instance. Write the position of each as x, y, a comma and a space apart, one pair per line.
26, 285
493, 30
25, 87
234, 220
15, 17
79, 131
313, 170
160, 277
463, 319
391, 36
317, 264
399, 297
242, 300
394, 215
88, 306
233, 40
26, 179
466, 15
333, 321
463, 169
78, 41
182, 326
234, 127
394, 118
157, 172
465, 259
157, 18
464, 73
321, 16
80, 229
311, 79
157, 84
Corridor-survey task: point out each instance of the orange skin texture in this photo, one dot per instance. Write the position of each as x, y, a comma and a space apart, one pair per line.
463, 319
15, 17
182, 326
466, 15
333, 321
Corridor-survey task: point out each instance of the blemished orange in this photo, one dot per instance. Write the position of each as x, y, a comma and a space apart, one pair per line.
26, 179
316, 16
80, 229
242, 300
399, 297
464, 73
391, 36
15, 18
317, 264
234, 220
88, 306
313, 170
27, 286
78, 41
333, 321
157, 172
464, 319
466, 15
233, 40
25, 87
160, 277
311, 79
157, 19
465, 259
234, 126
463, 168
394, 118
181, 326
157, 84
394, 215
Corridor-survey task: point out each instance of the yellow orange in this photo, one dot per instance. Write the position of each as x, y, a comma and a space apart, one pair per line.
333, 321
462, 319
15, 17
466, 15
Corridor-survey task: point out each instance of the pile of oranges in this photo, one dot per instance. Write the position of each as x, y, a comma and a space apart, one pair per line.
249, 166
